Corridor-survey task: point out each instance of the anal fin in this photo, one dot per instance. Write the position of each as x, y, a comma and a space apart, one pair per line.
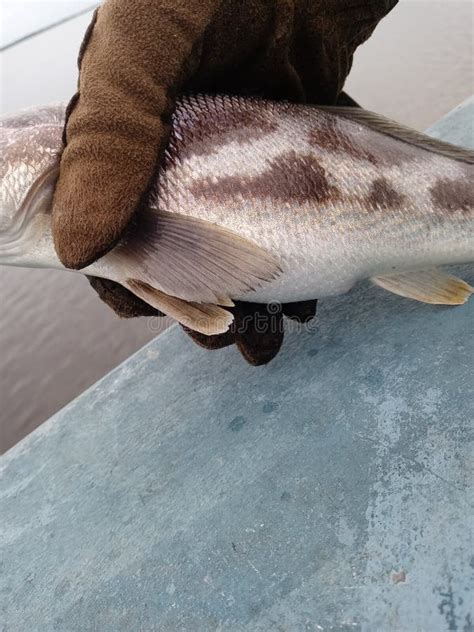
206, 318
428, 286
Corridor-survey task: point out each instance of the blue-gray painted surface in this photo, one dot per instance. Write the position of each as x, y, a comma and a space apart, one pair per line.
186, 491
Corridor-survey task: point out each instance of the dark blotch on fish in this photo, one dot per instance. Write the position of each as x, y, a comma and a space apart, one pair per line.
453, 195
330, 137
200, 131
383, 195
290, 178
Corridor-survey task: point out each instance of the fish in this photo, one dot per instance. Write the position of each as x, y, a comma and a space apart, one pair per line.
261, 201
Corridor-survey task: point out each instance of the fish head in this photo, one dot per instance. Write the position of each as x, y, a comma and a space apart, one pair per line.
30, 147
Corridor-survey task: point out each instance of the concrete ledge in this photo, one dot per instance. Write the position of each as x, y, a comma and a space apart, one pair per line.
330, 490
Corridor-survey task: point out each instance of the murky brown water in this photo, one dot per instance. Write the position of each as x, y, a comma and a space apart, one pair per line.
56, 337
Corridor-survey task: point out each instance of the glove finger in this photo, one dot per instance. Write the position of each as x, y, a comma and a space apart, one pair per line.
258, 332
121, 300
302, 312
211, 342
118, 125
328, 35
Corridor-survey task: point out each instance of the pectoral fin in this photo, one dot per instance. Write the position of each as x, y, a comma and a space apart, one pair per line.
192, 259
205, 318
427, 286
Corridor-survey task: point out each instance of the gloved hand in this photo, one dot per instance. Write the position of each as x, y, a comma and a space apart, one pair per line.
136, 58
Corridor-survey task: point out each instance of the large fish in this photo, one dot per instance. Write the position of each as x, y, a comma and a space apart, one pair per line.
262, 201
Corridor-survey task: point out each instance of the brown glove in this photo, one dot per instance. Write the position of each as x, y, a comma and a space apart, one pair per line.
137, 56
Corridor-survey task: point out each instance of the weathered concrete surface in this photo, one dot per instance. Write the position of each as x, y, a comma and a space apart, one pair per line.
331, 490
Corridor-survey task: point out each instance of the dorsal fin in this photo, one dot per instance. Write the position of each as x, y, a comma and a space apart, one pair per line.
391, 128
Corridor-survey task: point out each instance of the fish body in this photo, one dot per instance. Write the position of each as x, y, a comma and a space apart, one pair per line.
337, 201
332, 195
